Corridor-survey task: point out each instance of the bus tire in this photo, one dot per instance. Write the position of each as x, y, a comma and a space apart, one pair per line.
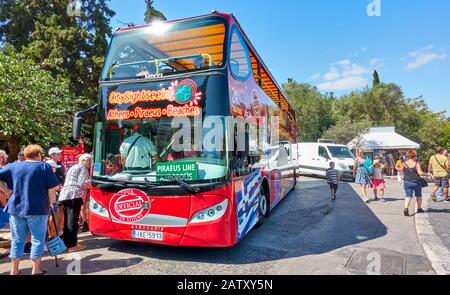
263, 206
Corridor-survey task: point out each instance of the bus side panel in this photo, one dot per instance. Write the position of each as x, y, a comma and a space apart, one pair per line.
218, 233
247, 193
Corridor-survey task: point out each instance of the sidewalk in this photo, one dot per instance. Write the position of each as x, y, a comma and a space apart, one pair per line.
433, 231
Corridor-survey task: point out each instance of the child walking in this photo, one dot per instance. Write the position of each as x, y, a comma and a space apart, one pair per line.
377, 180
332, 180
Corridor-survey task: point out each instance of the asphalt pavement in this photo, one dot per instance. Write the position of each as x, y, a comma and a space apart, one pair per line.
306, 233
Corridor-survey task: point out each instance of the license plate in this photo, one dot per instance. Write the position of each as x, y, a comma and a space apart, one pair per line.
148, 235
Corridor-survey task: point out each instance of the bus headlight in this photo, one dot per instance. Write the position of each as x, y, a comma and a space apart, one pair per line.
210, 214
98, 209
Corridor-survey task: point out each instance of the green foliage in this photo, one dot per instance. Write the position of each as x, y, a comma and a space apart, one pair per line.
322, 116
313, 110
69, 46
35, 106
151, 14
376, 79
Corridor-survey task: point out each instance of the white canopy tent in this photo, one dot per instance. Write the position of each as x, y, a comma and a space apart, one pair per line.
382, 138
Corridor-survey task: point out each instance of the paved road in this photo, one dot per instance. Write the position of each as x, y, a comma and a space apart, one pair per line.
305, 234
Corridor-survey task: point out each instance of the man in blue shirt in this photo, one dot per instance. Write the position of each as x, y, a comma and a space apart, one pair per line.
33, 184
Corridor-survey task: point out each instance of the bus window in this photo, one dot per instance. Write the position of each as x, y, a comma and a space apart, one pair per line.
240, 65
165, 49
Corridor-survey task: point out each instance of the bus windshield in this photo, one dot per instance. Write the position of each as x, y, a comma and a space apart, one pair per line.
163, 131
340, 152
163, 49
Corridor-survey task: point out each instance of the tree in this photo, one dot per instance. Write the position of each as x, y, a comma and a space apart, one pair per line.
376, 79
35, 106
345, 130
314, 111
151, 14
67, 45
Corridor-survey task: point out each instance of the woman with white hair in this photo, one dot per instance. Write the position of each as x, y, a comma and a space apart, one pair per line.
76, 187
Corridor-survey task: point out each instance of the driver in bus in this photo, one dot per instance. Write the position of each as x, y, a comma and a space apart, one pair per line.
137, 151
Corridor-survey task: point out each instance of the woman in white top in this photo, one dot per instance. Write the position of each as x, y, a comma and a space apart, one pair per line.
76, 187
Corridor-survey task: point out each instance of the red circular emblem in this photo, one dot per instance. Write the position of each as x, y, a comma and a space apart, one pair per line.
130, 205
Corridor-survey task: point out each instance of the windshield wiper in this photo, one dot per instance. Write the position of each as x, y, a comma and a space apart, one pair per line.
124, 184
180, 182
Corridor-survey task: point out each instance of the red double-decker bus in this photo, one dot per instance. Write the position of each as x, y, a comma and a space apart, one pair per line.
194, 139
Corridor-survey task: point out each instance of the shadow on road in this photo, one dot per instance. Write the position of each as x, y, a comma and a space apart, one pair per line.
89, 264
306, 222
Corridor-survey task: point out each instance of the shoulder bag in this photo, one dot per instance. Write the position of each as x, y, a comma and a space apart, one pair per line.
55, 245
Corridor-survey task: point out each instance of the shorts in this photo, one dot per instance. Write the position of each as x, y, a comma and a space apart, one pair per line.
378, 184
413, 187
333, 186
441, 181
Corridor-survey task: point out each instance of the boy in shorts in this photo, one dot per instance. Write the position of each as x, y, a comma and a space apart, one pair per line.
332, 180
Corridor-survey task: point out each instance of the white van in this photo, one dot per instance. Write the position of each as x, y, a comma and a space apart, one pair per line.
315, 157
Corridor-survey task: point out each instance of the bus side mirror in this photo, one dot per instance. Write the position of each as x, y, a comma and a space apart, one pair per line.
77, 121
76, 128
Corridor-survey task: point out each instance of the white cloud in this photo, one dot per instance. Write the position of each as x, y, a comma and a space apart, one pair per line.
424, 56
354, 70
344, 75
344, 62
346, 83
361, 50
332, 74
316, 76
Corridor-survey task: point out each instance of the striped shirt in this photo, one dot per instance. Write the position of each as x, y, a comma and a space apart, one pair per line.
332, 175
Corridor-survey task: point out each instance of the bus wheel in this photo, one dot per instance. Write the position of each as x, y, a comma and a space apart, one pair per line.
263, 206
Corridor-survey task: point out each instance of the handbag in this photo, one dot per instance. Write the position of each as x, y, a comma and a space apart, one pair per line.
423, 182
55, 245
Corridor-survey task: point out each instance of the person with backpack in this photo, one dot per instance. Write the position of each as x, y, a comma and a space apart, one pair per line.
360, 174
439, 167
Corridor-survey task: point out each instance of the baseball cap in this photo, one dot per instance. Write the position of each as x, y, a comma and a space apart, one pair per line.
54, 150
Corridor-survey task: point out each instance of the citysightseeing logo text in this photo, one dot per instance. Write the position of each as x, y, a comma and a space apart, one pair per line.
183, 93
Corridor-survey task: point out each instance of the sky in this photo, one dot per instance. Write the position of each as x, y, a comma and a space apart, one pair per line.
336, 44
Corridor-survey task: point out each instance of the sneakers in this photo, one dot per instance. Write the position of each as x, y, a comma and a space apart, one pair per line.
78, 247
333, 198
405, 212
420, 210
383, 200
366, 200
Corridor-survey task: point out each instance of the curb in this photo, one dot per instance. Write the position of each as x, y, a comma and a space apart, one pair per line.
432, 245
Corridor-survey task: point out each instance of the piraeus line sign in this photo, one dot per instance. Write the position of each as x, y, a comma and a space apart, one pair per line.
185, 170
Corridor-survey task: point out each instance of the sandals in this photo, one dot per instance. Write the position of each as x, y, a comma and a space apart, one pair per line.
43, 272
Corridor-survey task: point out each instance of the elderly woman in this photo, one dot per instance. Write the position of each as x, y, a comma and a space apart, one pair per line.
4, 191
75, 189
34, 184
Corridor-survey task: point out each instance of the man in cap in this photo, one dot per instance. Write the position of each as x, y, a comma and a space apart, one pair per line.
55, 154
